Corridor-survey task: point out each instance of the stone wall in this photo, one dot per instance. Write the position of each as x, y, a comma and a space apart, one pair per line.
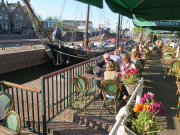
19, 60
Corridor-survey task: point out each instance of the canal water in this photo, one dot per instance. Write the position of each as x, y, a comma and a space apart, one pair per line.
29, 74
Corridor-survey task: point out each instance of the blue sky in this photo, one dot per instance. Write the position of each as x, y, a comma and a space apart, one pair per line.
72, 11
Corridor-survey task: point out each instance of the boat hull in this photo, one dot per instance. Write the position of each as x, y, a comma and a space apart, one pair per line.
61, 54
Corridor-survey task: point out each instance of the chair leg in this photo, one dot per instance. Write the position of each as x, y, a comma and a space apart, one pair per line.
73, 102
102, 107
82, 98
115, 108
85, 105
94, 99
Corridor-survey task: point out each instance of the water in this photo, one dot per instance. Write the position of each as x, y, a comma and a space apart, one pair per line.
29, 74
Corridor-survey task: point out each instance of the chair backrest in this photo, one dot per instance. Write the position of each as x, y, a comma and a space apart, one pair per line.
7, 100
117, 65
175, 64
12, 121
110, 87
81, 83
168, 57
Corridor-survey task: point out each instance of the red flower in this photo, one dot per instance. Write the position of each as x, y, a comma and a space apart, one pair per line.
135, 71
128, 75
120, 74
132, 69
128, 70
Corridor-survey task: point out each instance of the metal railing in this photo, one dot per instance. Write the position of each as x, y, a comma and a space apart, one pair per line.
58, 92
37, 107
27, 103
122, 115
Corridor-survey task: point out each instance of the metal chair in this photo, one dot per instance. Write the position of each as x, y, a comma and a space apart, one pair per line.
12, 122
82, 87
111, 88
117, 65
7, 100
173, 67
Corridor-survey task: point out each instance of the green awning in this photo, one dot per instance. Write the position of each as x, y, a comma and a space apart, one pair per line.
145, 10
162, 31
166, 25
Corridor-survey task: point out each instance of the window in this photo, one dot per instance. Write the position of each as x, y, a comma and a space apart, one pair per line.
24, 24
16, 24
12, 8
6, 17
50, 24
46, 24
17, 16
21, 16
2, 8
54, 24
27, 24
19, 24
1, 16
4, 25
18, 9
28, 18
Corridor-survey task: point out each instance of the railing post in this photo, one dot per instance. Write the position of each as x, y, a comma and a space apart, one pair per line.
70, 88
43, 105
139, 93
2, 87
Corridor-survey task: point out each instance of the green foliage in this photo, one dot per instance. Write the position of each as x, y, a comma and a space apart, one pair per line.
159, 36
90, 67
138, 29
145, 122
169, 36
150, 34
131, 77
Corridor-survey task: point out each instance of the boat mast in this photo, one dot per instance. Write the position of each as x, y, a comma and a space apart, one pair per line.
86, 30
27, 4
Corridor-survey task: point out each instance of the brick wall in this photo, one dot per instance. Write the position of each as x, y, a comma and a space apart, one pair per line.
15, 61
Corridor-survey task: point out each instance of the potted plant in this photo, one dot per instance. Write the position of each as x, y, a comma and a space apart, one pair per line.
144, 121
131, 80
89, 69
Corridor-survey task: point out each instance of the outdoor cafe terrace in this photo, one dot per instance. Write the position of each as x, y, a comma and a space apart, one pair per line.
44, 104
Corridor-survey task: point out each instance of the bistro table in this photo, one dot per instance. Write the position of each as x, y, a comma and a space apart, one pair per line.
6, 131
166, 62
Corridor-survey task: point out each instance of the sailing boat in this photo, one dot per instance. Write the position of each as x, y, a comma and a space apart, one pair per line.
60, 52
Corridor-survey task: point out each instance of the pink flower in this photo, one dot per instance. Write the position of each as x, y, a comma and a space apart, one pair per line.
158, 105
151, 95
120, 74
154, 108
127, 71
162, 112
142, 100
146, 96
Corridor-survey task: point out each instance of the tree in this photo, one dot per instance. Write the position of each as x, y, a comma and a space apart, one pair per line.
159, 36
138, 29
150, 34
169, 36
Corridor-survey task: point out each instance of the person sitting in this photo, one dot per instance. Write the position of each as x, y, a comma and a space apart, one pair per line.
2, 112
121, 51
116, 56
172, 44
111, 73
101, 65
134, 58
125, 65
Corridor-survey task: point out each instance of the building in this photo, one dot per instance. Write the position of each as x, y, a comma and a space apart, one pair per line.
14, 17
49, 23
77, 25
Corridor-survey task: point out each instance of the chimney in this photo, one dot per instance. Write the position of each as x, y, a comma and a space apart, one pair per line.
2, 1
18, 2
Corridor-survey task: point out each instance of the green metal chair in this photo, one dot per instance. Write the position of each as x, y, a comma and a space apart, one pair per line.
7, 100
173, 67
111, 88
82, 87
12, 122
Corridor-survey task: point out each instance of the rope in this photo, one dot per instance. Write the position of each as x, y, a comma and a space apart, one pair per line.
62, 11
69, 54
